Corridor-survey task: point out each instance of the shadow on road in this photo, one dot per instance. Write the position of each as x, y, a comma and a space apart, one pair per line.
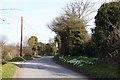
48, 65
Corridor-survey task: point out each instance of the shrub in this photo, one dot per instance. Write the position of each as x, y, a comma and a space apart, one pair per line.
106, 34
28, 57
5, 55
15, 59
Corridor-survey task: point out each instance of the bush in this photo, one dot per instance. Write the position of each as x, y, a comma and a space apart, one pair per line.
106, 34
27, 51
28, 57
15, 59
5, 55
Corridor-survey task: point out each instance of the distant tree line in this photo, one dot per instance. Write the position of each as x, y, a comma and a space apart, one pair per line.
31, 48
35, 48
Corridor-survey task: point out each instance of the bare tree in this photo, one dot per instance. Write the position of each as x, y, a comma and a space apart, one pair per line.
3, 40
80, 8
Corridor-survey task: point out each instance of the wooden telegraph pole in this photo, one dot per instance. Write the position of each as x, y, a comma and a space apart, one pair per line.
21, 36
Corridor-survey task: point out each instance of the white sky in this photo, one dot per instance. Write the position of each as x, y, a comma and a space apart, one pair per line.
37, 14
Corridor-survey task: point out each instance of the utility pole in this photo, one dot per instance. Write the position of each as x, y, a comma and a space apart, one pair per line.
21, 36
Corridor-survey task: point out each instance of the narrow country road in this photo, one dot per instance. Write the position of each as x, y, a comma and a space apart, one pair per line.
44, 67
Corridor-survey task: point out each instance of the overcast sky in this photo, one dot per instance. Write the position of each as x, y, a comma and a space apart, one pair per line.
36, 13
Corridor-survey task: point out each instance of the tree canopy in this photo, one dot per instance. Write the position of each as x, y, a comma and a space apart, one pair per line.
106, 34
70, 27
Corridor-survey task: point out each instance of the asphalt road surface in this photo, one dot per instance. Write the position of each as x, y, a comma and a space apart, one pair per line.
44, 67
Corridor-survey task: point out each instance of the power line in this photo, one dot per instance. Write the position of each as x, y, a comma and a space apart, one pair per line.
29, 26
11, 9
21, 38
7, 9
5, 23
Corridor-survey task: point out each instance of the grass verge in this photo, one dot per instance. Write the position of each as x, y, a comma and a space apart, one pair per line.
0, 70
89, 67
8, 71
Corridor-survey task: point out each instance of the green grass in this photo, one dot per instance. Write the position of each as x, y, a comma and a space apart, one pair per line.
8, 70
101, 70
0, 70
96, 70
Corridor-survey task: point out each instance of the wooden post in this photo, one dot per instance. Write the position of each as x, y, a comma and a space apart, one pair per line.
21, 36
